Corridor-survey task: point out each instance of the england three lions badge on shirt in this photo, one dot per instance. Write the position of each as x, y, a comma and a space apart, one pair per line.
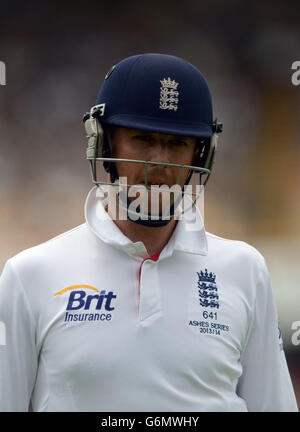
207, 289
204, 312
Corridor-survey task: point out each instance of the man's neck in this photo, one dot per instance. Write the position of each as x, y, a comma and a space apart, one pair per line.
154, 238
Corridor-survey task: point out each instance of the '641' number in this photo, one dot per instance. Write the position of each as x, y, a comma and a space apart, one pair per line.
212, 315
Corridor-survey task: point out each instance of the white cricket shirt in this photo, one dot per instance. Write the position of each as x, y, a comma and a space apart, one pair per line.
92, 325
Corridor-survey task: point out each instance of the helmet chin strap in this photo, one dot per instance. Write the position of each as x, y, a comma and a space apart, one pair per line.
152, 223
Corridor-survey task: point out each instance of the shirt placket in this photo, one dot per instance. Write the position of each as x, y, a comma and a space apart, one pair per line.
149, 292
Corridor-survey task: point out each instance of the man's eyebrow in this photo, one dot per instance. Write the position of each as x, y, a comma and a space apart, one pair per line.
182, 138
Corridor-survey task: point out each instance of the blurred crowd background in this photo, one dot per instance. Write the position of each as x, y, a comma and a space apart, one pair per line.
57, 54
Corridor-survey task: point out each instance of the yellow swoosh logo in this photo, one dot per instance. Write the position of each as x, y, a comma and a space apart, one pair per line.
69, 288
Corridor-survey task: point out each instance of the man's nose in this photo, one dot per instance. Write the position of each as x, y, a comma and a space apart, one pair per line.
159, 152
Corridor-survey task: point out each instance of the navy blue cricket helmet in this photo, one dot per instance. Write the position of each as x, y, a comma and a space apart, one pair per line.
157, 92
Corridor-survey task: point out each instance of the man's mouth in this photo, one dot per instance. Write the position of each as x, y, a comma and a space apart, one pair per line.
157, 183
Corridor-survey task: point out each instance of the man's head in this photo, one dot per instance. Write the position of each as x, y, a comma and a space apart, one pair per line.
153, 108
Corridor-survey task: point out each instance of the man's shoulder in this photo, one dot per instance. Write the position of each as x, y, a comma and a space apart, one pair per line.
235, 249
52, 249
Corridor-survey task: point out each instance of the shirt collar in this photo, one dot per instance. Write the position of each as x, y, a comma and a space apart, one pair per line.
187, 237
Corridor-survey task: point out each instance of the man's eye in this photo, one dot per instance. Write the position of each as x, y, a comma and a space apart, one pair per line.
179, 143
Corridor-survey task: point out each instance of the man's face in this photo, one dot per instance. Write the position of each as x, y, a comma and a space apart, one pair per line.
153, 147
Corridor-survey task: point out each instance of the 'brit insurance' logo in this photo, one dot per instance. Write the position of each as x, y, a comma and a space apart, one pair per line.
207, 289
88, 307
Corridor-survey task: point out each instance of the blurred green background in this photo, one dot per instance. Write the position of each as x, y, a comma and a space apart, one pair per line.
56, 57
